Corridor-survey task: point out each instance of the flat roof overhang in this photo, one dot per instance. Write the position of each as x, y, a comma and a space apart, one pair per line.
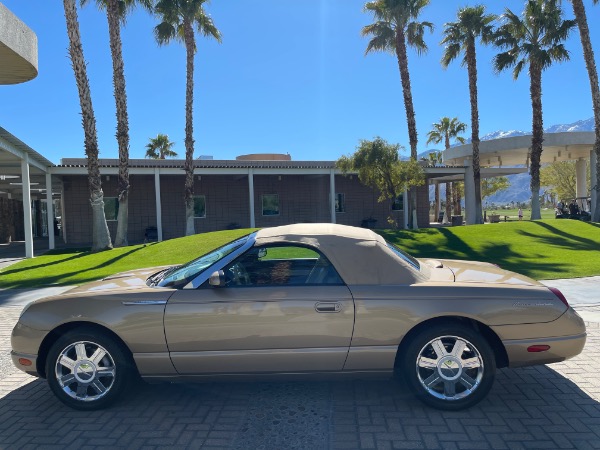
12, 152
18, 49
515, 150
449, 173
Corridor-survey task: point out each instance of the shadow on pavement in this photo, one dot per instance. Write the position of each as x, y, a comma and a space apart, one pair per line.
534, 406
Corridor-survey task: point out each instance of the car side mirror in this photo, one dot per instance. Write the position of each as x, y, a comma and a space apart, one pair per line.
217, 279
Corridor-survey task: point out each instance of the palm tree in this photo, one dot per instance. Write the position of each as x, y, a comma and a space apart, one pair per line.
445, 130
178, 18
590, 62
100, 235
116, 10
460, 37
160, 147
395, 27
534, 40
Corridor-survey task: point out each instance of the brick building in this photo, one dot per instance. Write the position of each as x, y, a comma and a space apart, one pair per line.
248, 192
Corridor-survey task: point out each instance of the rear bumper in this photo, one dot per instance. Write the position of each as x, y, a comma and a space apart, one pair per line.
561, 348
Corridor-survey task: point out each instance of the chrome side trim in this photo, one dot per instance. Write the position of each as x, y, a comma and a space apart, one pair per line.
145, 302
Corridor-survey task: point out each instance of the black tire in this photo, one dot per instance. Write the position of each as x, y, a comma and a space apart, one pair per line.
87, 379
441, 379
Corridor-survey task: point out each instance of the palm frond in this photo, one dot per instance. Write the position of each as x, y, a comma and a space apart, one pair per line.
415, 33
165, 32
383, 37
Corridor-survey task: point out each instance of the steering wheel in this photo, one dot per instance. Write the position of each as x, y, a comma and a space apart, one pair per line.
239, 275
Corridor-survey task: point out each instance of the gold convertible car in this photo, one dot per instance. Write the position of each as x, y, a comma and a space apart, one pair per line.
309, 300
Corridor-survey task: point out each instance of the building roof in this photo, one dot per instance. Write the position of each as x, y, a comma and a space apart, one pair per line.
14, 147
516, 150
203, 164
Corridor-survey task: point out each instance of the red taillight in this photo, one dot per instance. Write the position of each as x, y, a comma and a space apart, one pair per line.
560, 296
25, 362
538, 348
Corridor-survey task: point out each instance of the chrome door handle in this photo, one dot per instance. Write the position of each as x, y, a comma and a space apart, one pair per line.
328, 307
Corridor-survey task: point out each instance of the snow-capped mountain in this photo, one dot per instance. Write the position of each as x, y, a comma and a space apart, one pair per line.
582, 125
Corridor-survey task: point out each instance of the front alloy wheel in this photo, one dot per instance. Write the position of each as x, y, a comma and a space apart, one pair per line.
85, 371
88, 370
450, 367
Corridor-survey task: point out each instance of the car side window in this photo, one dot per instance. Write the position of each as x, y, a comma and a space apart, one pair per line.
281, 265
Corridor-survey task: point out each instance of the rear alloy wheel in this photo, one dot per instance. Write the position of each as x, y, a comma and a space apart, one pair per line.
88, 371
450, 367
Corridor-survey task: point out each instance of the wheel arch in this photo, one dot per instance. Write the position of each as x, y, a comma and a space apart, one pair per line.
489, 335
57, 332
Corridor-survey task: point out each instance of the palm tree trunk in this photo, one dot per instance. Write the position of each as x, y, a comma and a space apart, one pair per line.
406, 91
436, 209
537, 139
472, 71
456, 190
449, 201
190, 47
590, 62
410, 116
116, 52
100, 235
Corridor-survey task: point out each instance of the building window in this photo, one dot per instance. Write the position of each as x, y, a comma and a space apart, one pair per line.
398, 204
270, 205
111, 208
199, 206
340, 203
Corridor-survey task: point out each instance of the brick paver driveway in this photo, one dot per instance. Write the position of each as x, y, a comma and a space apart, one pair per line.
557, 406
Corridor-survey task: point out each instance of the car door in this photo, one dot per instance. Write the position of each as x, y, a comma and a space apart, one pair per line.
282, 309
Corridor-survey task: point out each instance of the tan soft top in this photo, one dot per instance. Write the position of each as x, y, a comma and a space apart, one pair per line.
361, 256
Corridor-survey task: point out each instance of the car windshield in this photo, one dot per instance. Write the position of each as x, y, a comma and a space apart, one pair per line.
405, 256
181, 275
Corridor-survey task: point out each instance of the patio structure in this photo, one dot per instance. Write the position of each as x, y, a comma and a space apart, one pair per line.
514, 151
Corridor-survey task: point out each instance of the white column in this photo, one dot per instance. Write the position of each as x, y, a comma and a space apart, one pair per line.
27, 206
50, 210
251, 194
470, 214
332, 194
581, 182
405, 209
593, 180
159, 230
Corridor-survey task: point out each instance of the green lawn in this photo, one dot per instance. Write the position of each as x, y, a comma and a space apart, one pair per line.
77, 266
543, 249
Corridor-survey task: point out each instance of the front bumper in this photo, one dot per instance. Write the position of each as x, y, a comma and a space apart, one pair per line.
25, 343
30, 369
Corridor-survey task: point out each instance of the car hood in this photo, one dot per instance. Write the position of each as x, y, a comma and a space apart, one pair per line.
475, 272
124, 281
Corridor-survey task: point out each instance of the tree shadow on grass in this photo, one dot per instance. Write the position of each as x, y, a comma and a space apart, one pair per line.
314, 415
501, 254
38, 266
62, 279
562, 238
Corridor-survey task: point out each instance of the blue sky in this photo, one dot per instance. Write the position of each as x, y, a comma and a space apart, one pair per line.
289, 77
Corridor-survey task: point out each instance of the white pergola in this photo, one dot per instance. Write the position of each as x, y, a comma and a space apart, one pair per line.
22, 169
513, 151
